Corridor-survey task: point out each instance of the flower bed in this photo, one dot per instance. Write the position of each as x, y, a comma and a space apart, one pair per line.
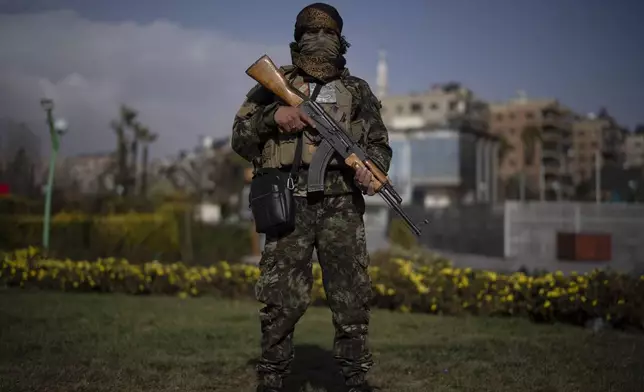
398, 284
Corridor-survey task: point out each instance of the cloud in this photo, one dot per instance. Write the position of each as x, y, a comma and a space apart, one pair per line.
184, 82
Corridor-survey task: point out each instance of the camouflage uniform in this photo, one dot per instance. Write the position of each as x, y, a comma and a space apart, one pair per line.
331, 221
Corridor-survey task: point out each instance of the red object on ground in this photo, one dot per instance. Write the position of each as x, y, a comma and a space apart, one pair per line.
584, 246
4, 189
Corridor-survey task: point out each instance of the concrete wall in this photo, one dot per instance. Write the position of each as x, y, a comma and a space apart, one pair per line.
476, 229
531, 230
515, 235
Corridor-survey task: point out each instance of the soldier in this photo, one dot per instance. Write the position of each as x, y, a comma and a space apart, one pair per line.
264, 133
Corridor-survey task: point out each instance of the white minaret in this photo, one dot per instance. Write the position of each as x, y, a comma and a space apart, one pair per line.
381, 77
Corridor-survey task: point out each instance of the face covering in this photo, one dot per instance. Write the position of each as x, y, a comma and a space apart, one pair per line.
321, 44
318, 55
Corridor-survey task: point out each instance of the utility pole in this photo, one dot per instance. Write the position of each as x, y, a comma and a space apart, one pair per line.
56, 129
598, 180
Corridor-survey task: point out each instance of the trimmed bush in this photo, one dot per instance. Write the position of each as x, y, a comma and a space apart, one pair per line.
139, 237
398, 284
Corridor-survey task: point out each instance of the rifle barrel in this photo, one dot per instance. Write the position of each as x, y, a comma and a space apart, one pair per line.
396, 207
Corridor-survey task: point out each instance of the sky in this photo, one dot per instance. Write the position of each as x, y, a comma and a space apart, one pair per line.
181, 63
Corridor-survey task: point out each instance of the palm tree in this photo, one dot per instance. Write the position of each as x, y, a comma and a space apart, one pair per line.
530, 138
127, 120
128, 149
146, 138
121, 154
503, 151
505, 148
138, 133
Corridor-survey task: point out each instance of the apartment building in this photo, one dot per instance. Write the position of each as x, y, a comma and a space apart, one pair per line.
547, 126
634, 150
443, 152
595, 135
449, 105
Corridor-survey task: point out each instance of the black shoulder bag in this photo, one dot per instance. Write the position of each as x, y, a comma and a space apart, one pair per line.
271, 194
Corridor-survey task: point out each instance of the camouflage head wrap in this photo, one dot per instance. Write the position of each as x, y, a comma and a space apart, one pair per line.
318, 16
328, 63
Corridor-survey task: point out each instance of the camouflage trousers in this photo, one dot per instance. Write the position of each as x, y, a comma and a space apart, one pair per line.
334, 226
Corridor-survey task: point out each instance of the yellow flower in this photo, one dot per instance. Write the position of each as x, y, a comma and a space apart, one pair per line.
546, 304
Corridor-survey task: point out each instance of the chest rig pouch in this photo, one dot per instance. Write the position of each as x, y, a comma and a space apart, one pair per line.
271, 195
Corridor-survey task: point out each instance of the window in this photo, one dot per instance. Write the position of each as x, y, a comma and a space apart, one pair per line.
452, 106
529, 115
415, 107
511, 116
435, 157
499, 117
433, 106
512, 131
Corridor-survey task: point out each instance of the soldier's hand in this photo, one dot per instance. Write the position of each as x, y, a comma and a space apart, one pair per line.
363, 177
290, 119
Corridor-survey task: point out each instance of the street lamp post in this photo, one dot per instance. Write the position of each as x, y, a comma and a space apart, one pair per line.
56, 129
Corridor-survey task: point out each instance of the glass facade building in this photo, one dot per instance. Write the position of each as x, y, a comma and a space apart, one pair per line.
442, 160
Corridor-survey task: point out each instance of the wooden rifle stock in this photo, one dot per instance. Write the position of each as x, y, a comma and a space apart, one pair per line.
266, 73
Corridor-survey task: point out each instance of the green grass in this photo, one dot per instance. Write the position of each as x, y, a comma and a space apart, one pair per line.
88, 342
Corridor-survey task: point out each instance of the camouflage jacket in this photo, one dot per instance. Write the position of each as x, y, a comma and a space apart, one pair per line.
254, 126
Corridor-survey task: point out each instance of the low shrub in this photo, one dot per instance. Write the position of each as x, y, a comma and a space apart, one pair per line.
139, 237
425, 286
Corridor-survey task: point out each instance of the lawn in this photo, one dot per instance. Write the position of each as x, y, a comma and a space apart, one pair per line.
53, 341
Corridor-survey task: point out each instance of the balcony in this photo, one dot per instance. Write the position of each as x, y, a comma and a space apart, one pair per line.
551, 160
552, 135
550, 146
554, 121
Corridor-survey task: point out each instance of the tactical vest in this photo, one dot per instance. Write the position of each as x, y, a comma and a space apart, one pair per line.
279, 151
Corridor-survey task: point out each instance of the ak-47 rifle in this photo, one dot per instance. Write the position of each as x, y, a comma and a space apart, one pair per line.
333, 138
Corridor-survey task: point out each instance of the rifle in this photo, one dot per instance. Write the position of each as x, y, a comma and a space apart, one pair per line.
333, 138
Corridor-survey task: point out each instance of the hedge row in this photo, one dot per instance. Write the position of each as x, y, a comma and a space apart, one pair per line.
136, 236
398, 284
